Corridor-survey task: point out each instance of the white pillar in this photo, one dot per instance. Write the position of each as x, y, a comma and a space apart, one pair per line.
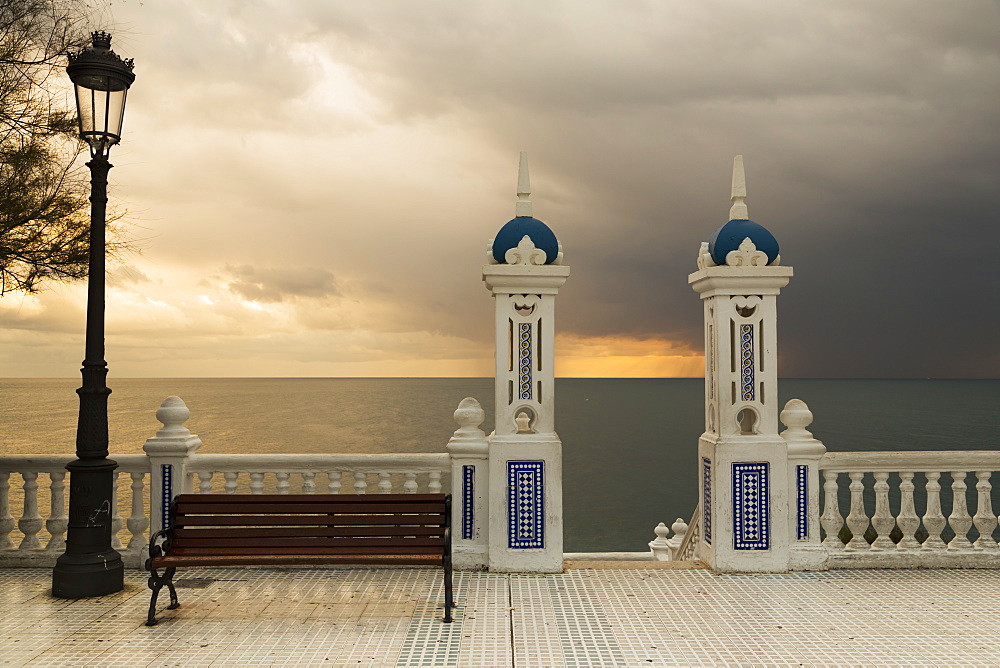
742, 461
469, 452
525, 453
168, 454
804, 454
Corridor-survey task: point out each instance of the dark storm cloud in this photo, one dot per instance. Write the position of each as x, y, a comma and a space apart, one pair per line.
870, 132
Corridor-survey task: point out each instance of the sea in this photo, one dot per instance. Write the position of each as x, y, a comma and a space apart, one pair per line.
629, 445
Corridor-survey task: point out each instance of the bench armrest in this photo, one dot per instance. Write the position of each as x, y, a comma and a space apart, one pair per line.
158, 549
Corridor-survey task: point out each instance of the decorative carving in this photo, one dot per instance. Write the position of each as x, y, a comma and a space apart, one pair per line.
526, 505
468, 490
706, 498
524, 305
704, 257
524, 345
746, 306
523, 421
747, 363
751, 515
525, 253
167, 487
490, 259
801, 502
746, 256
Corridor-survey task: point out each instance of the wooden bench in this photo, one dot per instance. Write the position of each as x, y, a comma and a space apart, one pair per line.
281, 529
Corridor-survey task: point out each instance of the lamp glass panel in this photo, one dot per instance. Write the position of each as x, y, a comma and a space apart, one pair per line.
101, 105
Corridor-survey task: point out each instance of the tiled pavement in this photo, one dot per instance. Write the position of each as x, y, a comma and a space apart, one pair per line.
592, 616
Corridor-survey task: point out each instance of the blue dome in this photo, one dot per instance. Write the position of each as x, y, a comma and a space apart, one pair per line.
729, 237
510, 236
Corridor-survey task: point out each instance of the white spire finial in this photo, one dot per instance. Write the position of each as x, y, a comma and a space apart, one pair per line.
523, 207
739, 208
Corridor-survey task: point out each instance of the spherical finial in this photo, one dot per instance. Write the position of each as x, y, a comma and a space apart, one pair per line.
173, 413
679, 526
661, 531
469, 415
796, 415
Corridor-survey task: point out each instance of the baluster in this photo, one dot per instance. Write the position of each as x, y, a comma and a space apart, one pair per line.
117, 521
857, 519
384, 482
831, 519
205, 487
7, 523
282, 481
933, 519
137, 522
434, 485
257, 483
58, 523
959, 520
333, 482
908, 521
985, 520
31, 522
308, 482
882, 520
410, 486
232, 481
360, 483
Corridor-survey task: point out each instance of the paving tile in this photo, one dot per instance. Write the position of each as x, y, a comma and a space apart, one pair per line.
581, 618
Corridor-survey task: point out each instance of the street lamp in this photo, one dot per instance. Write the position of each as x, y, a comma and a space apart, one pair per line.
90, 566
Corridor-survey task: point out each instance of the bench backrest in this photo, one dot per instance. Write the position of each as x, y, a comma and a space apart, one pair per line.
309, 524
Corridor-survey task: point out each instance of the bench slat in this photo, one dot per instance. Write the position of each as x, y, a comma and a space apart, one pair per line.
189, 508
277, 560
268, 532
376, 545
308, 520
331, 550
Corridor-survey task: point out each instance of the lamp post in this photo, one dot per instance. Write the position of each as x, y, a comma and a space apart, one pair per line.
90, 566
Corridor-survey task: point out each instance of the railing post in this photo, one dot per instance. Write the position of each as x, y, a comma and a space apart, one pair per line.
168, 454
469, 452
804, 455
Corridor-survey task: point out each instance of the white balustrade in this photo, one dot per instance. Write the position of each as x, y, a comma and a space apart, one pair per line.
297, 473
898, 540
37, 485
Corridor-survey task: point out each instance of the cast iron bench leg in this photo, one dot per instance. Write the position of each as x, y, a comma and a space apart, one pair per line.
449, 601
170, 586
155, 584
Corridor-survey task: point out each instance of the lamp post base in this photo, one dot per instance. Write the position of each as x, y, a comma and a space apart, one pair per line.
90, 566
88, 575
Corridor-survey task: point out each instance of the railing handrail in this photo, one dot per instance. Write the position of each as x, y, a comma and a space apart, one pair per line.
693, 535
51, 463
915, 461
391, 463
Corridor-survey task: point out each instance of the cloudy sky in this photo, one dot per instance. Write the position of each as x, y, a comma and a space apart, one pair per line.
313, 184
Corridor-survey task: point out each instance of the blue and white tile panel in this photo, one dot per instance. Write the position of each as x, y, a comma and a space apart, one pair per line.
167, 485
751, 514
468, 500
706, 498
747, 363
801, 501
525, 505
524, 360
